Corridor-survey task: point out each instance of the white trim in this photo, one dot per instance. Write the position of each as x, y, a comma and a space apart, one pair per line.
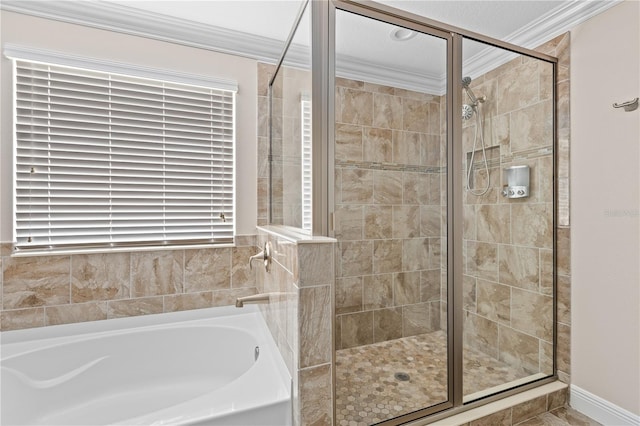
124, 19
600, 409
31, 54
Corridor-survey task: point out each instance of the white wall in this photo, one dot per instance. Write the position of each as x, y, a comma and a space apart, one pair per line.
605, 203
94, 43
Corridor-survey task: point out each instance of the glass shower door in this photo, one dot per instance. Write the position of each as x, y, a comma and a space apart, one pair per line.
390, 219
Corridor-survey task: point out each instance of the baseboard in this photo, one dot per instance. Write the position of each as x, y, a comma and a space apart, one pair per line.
600, 409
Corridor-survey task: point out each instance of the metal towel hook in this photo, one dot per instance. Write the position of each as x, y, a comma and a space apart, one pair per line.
628, 106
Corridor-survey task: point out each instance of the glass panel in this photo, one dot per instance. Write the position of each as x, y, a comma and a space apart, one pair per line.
390, 220
508, 219
290, 135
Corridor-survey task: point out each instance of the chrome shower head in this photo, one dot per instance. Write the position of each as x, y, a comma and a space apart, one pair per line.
467, 111
466, 81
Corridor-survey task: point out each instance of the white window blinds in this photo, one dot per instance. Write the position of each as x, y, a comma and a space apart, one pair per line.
306, 163
105, 159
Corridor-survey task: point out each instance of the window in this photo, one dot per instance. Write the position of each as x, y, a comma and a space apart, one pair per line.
305, 107
106, 159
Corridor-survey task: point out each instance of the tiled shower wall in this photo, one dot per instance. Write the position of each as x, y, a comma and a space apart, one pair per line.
59, 289
389, 214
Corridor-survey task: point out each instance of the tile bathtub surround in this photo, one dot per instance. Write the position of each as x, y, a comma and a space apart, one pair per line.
299, 315
60, 289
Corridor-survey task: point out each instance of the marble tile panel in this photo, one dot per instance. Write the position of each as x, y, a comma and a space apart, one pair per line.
387, 187
134, 307
546, 272
387, 324
469, 296
533, 225
349, 294
77, 312
377, 145
316, 396
347, 82
157, 272
356, 106
100, 276
378, 222
416, 188
430, 151
415, 254
406, 288
241, 273
357, 186
564, 299
532, 127
378, 88
17, 319
315, 264
188, 301
546, 357
519, 88
519, 349
415, 115
480, 334
564, 251
529, 409
406, 221
532, 313
431, 221
356, 258
207, 269
357, 329
348, 145
314, 322
35, 281
228, 297
493, 301
407, 147
377, 291
387, 256
416, 319
500, 418
493, 223
430, 285
348, 222
387, 111
519, 266
564, 348
557, 399
482, 260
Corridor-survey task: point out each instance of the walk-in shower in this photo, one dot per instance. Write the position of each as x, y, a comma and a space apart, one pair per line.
444, 288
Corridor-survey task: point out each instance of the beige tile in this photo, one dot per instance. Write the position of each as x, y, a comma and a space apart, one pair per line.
241, 274
416, 188
348, 145
406, 221
564, 348
315, 325
532, 313
415, 254
532, 225
35, 281
406, 288
557, 399
377, 145
387, 324
529, 409
356, 106
356, 258
315, 396
387, 187
378, 291
493, 223
430, 221
134, 307
546, 357
378, 222
229, 296
519, 266
156, 273
493, 301
532, 127
481, 334
469, 296
407, 147
416, 319
387, 111
349, 294
430, 151
17, 319
518, 88
415, 115
77, 312
348, 222
357, 329
387, 256
188, 301
564, 251
357, 186
482, 260
519, 350
546, 271
100, 277
315, 264
564, 299
500, 418
207, 269
430, 285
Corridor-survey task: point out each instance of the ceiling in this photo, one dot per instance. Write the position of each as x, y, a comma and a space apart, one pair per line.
364, 49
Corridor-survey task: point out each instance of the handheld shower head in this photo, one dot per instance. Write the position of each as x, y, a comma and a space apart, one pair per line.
466, 81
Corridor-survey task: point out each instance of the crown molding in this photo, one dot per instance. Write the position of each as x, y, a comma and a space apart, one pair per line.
124, 19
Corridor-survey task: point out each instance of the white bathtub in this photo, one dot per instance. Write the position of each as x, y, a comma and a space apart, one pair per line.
185, 368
